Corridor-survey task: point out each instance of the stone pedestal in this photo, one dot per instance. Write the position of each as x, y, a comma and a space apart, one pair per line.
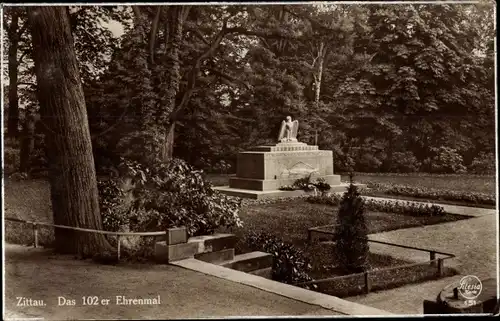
267, 168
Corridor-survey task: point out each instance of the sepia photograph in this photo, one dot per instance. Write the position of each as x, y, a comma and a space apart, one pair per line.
249, 159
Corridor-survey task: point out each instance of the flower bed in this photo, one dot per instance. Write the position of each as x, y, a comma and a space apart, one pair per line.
398, 207
432, 194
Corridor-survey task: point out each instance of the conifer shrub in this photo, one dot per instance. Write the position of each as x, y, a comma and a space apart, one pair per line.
351, 233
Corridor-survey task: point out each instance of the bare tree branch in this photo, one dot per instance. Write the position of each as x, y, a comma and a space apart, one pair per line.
227, 76
196, 68
198, 34
137, 14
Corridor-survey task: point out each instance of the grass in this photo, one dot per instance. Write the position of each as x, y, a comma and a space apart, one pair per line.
465, 183
290, 221
27, 200
453, 182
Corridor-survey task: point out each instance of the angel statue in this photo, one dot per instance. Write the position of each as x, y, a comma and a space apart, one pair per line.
288, 131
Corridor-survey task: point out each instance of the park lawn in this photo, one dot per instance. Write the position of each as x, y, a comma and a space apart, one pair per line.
464, 183
27, 200
290, 221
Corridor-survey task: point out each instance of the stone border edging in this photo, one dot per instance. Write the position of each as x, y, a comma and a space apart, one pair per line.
310, 297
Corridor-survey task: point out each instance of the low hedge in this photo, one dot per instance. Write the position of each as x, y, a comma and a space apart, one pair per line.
399, 207
433, 194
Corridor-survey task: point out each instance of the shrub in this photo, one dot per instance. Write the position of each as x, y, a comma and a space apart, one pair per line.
322, 185
11, 160
306, 185
289, 263
406, 208
434, 194
351, 233
484, 163
404, 162
174, 194
445, 160
111, 205
367, 162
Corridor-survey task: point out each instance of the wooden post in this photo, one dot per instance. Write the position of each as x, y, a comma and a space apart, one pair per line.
316, 138
433, 257
440, 267
368, 285
118, 250
35, 235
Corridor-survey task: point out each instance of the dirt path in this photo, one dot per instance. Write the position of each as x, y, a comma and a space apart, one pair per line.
36, 274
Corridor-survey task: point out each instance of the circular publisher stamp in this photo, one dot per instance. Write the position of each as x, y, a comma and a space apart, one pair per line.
470, 287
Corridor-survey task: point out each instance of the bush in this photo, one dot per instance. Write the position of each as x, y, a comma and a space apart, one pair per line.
289, 264
11, 159
306, 185
367, 162
434, 194
173, 194
111, 205
445, 160
403, 162
484, 163
351, 233
398, 207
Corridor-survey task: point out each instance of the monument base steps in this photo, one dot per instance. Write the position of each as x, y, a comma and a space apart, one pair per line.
245, 193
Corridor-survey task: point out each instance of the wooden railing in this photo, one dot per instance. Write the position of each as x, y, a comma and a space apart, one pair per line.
36, 225
439, 262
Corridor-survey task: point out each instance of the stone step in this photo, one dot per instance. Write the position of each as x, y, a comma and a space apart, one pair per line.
250, 262
214, 243
265, 273
216, 257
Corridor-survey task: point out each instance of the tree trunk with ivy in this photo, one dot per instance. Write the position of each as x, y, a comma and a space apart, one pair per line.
72, 174
173, 77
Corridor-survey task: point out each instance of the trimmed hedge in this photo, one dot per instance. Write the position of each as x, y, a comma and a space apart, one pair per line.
398, 207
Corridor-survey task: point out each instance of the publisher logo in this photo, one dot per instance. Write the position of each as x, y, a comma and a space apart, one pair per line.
470, 287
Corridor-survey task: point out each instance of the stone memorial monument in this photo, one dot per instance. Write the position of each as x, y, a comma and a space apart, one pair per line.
262, 170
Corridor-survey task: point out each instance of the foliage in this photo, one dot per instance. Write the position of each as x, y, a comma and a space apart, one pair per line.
111, 205
174, 194
484, 163
404, 162
445, 160
289, 263
397, 207
11, 160
305, 184
434, 194
351, 233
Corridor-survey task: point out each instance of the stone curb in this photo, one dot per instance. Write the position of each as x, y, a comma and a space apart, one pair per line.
314, 298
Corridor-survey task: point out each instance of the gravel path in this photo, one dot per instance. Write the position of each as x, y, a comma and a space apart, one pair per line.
39, 275
473, 241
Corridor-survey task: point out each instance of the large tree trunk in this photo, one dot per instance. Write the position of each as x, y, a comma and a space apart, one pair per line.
27, 141
173, 77
13, 113
72, 173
